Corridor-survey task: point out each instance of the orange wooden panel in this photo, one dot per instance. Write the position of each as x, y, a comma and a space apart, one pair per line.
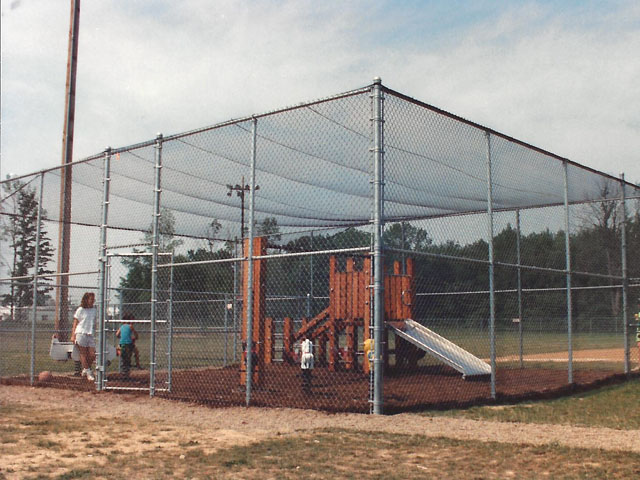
396, 267
350, 263
410, 267
333, 287
350, 346
268, 340
309, 325
358, 296
341, 277
333, 345
398, 297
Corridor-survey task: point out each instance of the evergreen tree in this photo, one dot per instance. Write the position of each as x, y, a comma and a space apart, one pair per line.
137, 282
20, 229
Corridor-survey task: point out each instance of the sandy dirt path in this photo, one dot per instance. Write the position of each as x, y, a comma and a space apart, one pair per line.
234, 426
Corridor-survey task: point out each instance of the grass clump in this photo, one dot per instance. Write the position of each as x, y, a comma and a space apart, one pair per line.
614, 406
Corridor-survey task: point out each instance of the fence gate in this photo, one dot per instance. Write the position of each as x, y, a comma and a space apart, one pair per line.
130, 302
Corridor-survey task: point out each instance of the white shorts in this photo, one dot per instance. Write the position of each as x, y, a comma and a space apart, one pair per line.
85, 340
306, 362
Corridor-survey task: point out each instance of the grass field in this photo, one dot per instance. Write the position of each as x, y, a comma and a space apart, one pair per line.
198, 348
612, 406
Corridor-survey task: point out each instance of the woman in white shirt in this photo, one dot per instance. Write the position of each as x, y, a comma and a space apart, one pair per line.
84, 321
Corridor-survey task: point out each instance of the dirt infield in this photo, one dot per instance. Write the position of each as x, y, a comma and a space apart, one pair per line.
281, 386
589, 355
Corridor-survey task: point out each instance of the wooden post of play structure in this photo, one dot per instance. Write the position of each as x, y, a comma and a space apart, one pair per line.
350, 298
365, 281
268, 340
259, 297
287, 339
332, 333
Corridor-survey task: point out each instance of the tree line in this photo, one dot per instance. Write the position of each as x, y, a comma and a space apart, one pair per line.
439, 268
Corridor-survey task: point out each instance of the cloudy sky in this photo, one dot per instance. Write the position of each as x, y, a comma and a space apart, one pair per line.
563, 75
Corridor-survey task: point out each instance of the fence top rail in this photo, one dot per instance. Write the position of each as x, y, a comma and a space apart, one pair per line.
177, 136
49, 275
139, 254
506, 137
268, 256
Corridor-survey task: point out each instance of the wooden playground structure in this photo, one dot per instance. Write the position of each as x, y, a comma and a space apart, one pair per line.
335, 330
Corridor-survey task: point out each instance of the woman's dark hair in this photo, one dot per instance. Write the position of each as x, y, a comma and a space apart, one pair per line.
84, 303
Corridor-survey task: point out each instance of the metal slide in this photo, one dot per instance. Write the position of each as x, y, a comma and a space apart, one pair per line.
440, 348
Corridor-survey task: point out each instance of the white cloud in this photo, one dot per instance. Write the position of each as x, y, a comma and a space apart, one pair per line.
562, 79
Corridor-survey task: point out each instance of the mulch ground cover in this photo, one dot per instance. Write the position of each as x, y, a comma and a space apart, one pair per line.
280, 385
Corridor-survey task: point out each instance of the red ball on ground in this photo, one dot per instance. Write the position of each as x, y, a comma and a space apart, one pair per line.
45, 376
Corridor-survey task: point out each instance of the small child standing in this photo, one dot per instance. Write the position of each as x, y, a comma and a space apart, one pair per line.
127, 335
306, 364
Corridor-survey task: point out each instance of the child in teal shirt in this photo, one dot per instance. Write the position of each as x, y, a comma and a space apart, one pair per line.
127, 335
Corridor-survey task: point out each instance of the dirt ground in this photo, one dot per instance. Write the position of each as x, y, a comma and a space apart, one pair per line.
280, 385
159, 423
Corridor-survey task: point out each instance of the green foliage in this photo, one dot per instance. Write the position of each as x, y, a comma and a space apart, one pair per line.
439, 267
137, 282
590, 409
19, 229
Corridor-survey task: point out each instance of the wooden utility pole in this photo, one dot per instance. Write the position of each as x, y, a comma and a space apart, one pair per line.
64, 237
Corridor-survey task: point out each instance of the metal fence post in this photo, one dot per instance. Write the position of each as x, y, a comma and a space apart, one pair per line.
519, 259
102, 297
378, 247
120, 306
249, 257
226, 329
170, 322
36, 268
235, 300
492, 293
567, 249
154, 263
310, 295
625, 276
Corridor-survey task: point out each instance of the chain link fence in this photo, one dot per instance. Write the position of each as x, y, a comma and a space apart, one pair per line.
422, 261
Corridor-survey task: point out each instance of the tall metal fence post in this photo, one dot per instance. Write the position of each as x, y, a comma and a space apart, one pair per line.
519, 260
310, 295
154, 263
170, 323
567, 249
378, 247
102, 283
492, 293
625, 276
249, 306
235, 300
36, 268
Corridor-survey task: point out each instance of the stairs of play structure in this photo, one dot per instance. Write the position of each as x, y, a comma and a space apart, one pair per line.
440, 348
